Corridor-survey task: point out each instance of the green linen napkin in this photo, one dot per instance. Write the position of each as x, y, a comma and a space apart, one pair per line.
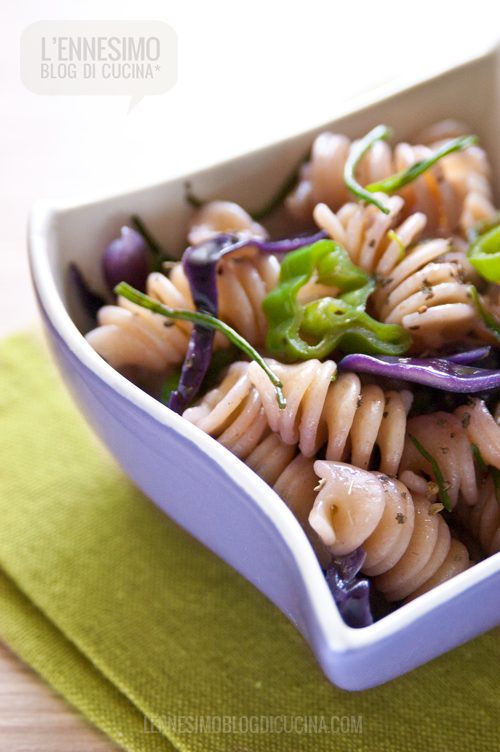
159, 642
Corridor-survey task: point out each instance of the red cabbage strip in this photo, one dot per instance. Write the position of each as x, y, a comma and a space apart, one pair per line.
200, 267
439, 373
352, 595
286, 245
200, 263
469, 356
195, 366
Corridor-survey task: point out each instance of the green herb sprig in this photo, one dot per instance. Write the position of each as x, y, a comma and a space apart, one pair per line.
205, 319
280, 195
158, 255
153, 244
276, 199
191, 198
355, 156
395, 182
490, 321
478, 457
495, 472
437, 472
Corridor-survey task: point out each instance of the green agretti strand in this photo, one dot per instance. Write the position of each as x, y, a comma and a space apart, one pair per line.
276, 199
356, 154
400, 179
312, 330
395, 182
488, 318
442, 484
129, 292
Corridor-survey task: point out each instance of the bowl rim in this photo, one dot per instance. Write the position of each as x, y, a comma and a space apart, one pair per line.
337, 635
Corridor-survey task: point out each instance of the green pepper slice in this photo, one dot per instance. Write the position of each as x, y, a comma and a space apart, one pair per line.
312, 330
484, 254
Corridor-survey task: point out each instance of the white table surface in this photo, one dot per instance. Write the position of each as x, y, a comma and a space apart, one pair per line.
270, 68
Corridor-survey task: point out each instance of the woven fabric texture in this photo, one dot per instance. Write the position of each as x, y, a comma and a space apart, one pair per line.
150, 635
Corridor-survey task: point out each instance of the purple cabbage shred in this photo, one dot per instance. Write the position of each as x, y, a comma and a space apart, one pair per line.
200, 267
469, 356
451, 374
351, 594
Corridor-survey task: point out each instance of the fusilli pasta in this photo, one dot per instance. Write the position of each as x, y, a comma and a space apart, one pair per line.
405, 545
131, 335
442, 435
483, 519
218, 217
453, 194
382, 470
351, 419
424, 290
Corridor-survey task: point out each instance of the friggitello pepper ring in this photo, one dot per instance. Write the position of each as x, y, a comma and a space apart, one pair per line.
313, 330
484, 254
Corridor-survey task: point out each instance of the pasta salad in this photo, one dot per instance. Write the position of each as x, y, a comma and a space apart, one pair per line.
353, 364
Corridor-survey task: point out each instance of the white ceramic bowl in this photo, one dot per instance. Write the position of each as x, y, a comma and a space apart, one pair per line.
193, 478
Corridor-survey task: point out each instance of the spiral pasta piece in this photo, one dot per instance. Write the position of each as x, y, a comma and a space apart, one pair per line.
453, 194
364, 233
424, 290
360, 418
481, 429
305, 386
443, 436
351, 418
406, 546
431, 193
427, 293
468, 171
218, 217
232, 412
243, 282
244, 278
322, 178
483, 519
131, 335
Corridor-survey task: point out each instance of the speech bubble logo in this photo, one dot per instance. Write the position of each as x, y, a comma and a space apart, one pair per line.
135, 58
